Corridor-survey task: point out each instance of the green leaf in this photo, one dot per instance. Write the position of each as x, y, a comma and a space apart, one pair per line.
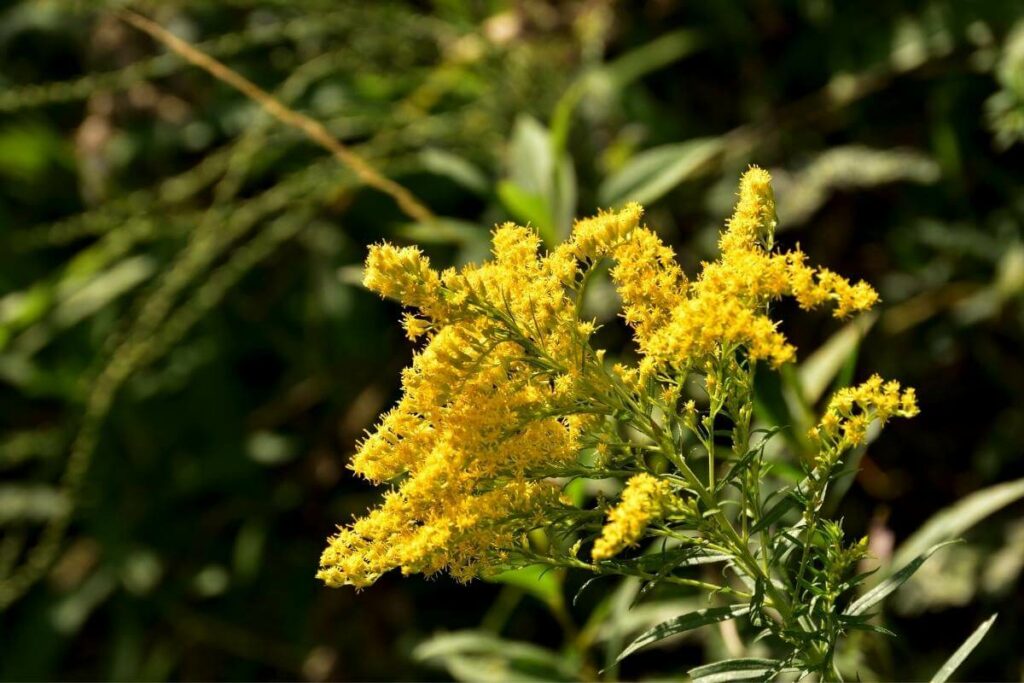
820, 368
527, 208
610, 79
538, 580
643, 616
958, 518
31, 503
531, 160
745, 669
849, 168
653, 55
775, 514
683, 623
742, 464
442, 231
563, 201
455, 168
964, 651
480, 656
86, 298
882, 590
654, 172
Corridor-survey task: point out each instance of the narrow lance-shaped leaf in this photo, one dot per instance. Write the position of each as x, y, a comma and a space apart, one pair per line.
962, 652
537, 580
775, 513
473, 644
821, 367
744, 669
654, 172
882, 590
958, 518
683, 623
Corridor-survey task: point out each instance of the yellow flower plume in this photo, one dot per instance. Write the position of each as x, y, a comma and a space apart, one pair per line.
507, 389
644, 500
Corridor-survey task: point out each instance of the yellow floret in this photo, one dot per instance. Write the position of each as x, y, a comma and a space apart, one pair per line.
643, 501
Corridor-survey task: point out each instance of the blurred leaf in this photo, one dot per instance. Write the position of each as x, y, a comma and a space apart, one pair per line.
480, 656
528, 209
538, 580
958, 518
248, 553
686, 622
660, 52
850, 167
644, 616
28, 150
541, 188
531, 163
141, 572
654, 172
445, 231
351, 275
70, 614
564, 201
30, 503
962, 652
270, 449
820, 368
452, 166
104, 288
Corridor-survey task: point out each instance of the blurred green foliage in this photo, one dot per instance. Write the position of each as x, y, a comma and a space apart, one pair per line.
185, 362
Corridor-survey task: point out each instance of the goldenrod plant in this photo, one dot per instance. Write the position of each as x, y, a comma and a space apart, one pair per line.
510, 400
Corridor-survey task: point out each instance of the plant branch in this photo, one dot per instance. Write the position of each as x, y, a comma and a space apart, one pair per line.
312, 128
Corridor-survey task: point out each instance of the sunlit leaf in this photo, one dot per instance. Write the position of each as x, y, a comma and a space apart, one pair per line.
452, 166
745, 669
654, 172
958, 518
538, 580
481, 656
686, 622
963, 652
890, 584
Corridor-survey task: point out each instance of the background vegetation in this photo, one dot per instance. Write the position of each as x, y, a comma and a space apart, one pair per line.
186, 360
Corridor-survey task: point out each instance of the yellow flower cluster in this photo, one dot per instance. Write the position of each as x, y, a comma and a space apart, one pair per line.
507, 386
486, 403
725, 308
644, 500
850, 411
